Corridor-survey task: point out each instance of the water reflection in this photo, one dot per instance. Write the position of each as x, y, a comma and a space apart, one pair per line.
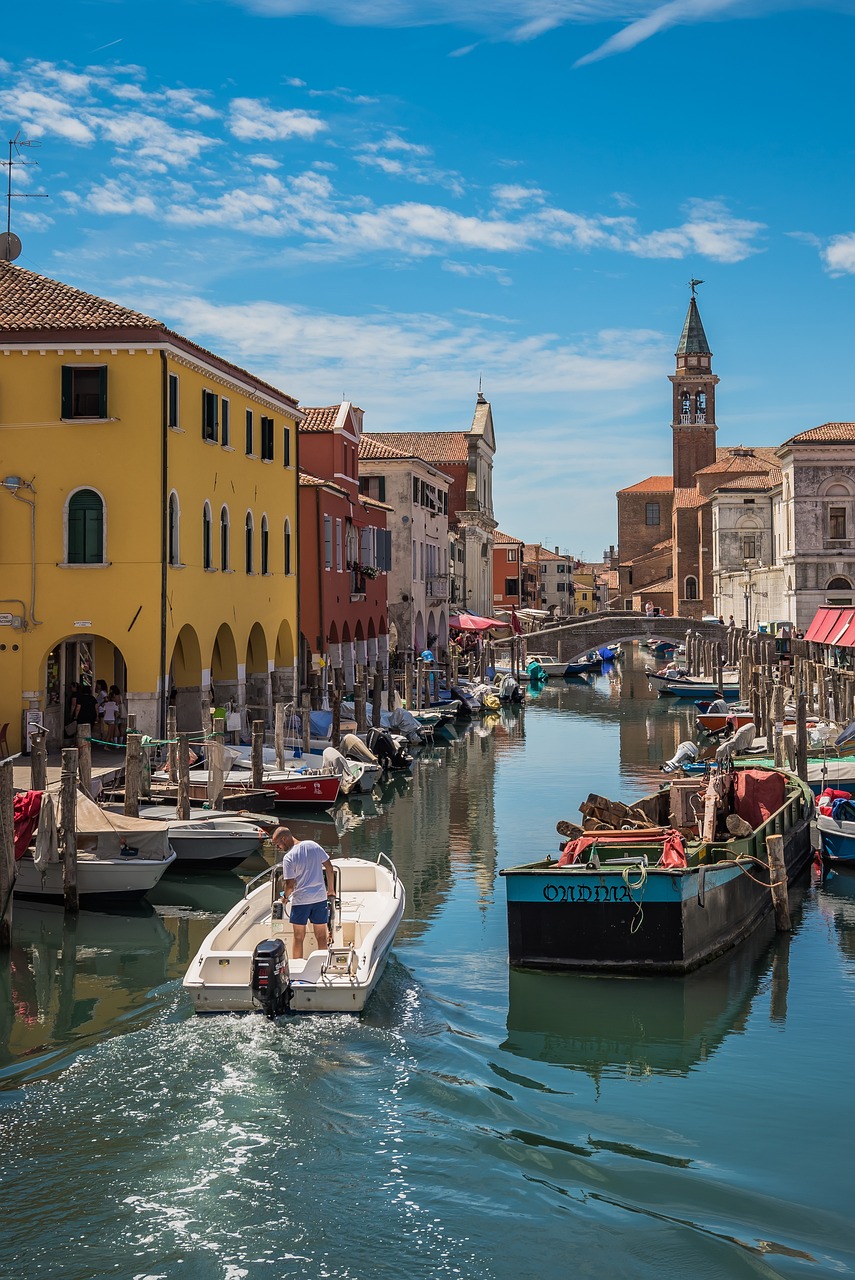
836, 897
608, 1026
73, 979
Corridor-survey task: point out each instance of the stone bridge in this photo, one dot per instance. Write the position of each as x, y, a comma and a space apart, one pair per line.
578, 636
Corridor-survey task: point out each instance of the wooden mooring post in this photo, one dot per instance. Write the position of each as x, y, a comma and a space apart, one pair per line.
7, 852
133, 769
184, 776
218, 744
68, 828
257, 754
802, 737
778, 726
279, 734
778, 882
172, 743
84, 757
335, 732
377, 696
38, 760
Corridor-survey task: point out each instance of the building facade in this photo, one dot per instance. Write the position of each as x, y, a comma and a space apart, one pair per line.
148, 497
466, 458
548, 579
345, 548
508, 569
418, 586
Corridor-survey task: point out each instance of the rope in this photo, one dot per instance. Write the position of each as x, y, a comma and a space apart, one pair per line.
638, 884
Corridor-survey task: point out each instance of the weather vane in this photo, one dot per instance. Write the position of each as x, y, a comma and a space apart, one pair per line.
10, 245
693, 285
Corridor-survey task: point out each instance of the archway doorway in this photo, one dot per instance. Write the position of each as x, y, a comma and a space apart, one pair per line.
185, 680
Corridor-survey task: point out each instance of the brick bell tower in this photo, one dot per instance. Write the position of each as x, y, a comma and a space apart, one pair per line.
693, 422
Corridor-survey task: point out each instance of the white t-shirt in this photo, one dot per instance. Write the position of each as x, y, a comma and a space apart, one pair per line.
304, 864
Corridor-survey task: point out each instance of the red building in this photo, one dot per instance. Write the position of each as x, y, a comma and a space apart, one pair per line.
507, 571
345, 548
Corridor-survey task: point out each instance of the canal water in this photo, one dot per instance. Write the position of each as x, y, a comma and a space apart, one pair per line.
475, 1122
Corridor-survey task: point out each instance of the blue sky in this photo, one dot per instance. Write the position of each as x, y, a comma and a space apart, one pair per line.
388, 200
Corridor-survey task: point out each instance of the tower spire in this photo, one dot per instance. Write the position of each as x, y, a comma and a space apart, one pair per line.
693, 340
693, 423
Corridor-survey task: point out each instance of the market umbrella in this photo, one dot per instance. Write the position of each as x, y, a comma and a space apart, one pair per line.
471, 622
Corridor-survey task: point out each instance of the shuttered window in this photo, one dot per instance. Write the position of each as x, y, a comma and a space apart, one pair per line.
327, 542
84, 391
225, 421
267, 439
210, 416
172, 413
85, 528
286, 446
249, 432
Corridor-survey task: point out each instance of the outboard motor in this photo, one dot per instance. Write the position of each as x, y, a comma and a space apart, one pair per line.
271, 978
390, 756
686, 753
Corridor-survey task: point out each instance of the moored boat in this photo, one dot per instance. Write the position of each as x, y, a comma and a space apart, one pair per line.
655, 900
683, 686
245, 964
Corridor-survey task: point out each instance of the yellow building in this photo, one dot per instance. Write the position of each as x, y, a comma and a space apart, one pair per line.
148, 515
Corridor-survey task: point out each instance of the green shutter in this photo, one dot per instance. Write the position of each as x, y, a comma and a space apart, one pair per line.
102, 391
85, 528
67, 404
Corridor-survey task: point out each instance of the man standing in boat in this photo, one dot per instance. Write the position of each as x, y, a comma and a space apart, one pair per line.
309, 885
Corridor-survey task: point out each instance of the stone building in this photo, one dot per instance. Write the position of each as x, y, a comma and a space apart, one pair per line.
466, 458
665, 522
784, 542
548, 579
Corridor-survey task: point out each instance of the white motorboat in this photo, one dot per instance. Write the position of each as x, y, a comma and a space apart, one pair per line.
208, 840
245, 963
118, 859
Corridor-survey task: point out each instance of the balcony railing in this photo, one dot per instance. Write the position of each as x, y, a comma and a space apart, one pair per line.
437, 587
686, 419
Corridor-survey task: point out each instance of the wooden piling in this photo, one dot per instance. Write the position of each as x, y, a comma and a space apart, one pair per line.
68, 827
218, 743
335, 732
257, 754
778, 882
133, 768
359, 708
38, 760
7, 852
802, 737
719, 666
306, 714
377, 696
408, 684
279, 734
419, 689
172, 743
84, 757
778, 726
184, 776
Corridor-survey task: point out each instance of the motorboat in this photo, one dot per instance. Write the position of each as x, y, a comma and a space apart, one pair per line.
246, 961
209, 840
685, 686
119, 859
298, 784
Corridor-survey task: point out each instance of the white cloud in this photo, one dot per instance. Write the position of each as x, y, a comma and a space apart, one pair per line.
41, 113
477, 269
112, 199
711, 230
513, 195
252, 120
839, 254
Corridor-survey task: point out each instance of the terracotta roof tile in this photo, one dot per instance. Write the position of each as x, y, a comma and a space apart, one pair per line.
373, 450
374, 503
828, 433
430, 446
769, 451
768, 480
737, 460
664, 584
684, 498
320, 419
503, 538
653, 484
31, 304
314, 482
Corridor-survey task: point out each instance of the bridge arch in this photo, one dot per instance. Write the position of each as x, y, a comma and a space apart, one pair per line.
581, 635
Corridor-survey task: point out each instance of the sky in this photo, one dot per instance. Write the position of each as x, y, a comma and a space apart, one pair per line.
394, 201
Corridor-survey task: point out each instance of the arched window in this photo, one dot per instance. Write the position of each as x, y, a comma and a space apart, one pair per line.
265, 546
248, 537
174, 521
224, 539
691, 589
207, 542
287, 546
85, 528
839, 584
685, 404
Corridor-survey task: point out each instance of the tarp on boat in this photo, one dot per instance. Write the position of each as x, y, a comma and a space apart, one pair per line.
758, 793
112, 835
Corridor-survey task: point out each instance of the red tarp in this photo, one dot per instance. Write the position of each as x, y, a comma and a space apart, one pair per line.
833, 626
471, 622
26, 816
758, 794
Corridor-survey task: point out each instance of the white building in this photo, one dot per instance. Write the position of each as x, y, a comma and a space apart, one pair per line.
418, 582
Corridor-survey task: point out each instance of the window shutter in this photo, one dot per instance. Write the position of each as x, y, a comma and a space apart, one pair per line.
327, 542
67, 388
381, 488
365, 556
102, 391
286, 447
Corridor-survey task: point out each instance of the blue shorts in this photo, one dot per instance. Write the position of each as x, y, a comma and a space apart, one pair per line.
316, 912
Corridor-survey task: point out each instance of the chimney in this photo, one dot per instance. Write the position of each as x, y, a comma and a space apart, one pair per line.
556, 551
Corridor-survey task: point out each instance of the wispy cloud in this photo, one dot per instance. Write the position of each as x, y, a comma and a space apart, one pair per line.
838, 255
521, 20
251, 120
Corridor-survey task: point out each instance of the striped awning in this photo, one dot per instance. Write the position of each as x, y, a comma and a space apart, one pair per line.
833, 626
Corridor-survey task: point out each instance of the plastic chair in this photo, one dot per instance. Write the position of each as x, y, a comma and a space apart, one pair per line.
4, 747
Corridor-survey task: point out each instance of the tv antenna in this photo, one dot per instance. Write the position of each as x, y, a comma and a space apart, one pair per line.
10, 244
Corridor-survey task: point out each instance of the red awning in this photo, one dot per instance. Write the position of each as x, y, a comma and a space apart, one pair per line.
833, 626
471, 622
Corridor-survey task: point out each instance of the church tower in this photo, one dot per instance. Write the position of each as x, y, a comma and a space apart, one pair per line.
693, 421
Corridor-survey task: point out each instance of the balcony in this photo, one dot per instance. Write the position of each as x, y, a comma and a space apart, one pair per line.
437, 587
688, 419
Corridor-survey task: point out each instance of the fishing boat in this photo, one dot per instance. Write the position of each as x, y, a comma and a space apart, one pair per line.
667, 896
119, 859
245, 963
835, 824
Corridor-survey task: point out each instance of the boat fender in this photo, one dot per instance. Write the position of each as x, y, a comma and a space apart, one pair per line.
702, 886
